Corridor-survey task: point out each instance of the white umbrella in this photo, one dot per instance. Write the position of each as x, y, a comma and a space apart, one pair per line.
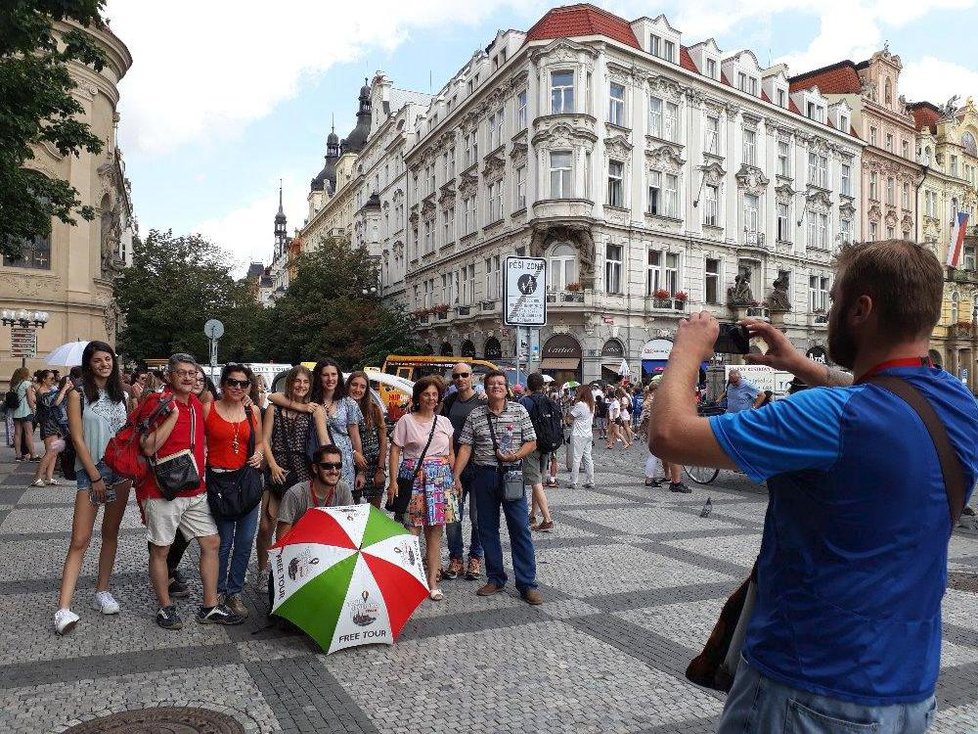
67, 355
548, 378
623, 370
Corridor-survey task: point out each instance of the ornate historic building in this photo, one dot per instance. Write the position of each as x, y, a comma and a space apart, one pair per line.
947, 146
890, 171
69, 274
655, 178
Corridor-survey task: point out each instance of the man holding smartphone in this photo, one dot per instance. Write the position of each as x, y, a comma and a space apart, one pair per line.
846, 627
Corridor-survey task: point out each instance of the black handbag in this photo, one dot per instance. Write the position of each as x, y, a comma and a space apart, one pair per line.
177, 472
235, 493
405, 486
510, 476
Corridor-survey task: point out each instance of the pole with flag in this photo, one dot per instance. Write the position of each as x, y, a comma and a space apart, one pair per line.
959, 225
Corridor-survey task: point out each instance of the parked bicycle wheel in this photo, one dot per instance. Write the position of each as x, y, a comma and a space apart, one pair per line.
701, 474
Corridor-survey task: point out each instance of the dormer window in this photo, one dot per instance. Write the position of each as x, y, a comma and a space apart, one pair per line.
711, 68
781, 98
742, 81
655, 45
668, 50
844, 123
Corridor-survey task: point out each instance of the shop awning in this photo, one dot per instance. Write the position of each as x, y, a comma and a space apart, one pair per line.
559, 363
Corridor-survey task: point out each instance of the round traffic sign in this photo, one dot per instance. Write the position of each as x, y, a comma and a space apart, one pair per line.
213, 329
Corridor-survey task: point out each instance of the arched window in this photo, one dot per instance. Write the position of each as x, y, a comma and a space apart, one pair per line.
968, 141
563, 266
35, 252
955, 306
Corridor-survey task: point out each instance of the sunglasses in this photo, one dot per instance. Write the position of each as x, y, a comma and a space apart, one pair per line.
328, 465
460, 375
237, 383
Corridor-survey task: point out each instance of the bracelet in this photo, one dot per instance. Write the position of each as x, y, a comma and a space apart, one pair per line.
96, 481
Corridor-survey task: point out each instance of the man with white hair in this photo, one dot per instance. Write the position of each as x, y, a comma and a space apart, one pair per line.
741, 394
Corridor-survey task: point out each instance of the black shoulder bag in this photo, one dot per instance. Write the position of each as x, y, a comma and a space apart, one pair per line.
510, 476
234, 493
178, 472
405, 486
716, 666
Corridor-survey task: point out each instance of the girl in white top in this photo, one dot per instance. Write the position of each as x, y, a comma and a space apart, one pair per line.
581, 418
614, 417
626, 417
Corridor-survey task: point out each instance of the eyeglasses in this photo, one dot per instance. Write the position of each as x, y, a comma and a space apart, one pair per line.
185, 373
237, 383
460, 375
330, 465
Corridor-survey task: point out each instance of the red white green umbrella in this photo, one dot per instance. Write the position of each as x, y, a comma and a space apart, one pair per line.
348, 576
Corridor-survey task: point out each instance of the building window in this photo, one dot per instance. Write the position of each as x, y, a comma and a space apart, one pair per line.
891, 191
711, 208
429, 245
845, 229
495, 201
905, 197
469, 215
655, 117
449, 224
817, 169
874, 184
561, 92
470, 270
784, 226
560, 174
655, 45
712, 281
874, 231
492, 277
587, 174
35, 254
872, 136
711, 68
969, 257
905, 147
784, 159
616, 176
495, 129
616, 105
954, 165
818, 293
655, 192
750, 147
669, 51
890, 233
671, 198
889, 142
520, 188
612, 268
563, 267
663, 272
844, 123
782, 98
752, 205
670, 123
521, 111
818, 230
846, 179
741, 81
930, 202
711, 135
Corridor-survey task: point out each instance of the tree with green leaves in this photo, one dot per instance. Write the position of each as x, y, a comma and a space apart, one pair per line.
174, 285
36, 106
328, 310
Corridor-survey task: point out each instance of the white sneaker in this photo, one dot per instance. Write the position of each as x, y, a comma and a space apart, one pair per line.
53, 482
65, 621
104, 602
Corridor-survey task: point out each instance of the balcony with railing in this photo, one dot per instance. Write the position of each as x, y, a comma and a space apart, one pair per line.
663, 301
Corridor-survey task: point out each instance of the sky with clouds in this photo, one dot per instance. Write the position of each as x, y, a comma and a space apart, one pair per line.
225, 99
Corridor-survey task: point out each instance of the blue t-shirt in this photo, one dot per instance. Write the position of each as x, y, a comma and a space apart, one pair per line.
853, 561
741, 397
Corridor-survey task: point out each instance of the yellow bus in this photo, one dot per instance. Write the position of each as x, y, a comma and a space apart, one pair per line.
414, 368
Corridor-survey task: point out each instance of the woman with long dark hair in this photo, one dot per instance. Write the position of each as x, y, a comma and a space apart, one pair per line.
581, 420
96, 411
373, 438
23, 415
49, 413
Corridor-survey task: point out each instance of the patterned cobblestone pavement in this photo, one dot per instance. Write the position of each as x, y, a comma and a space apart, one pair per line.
633, 580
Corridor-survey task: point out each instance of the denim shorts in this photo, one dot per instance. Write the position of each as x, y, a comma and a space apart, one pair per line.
110, 477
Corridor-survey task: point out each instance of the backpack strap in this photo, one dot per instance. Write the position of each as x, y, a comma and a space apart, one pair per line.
951, 467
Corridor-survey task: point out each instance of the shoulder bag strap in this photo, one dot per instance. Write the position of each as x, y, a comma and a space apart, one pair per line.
495, 441
251, 433
424, 451
950, 464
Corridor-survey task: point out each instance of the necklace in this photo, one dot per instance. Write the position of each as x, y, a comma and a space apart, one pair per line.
234, 441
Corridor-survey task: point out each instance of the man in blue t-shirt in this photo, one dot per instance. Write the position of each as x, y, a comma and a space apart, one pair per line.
846, 630
741, 394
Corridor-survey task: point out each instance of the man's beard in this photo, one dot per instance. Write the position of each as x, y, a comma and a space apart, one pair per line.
842, 344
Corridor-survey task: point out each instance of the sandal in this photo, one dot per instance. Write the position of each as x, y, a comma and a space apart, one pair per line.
436, 595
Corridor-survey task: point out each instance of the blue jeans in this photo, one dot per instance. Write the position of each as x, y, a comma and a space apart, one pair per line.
237, 537
758, 704
487, 493
453, 531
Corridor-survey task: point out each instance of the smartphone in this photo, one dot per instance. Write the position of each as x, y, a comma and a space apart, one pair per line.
733, 339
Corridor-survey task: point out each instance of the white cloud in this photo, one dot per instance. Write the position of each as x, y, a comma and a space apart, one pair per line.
248, 232
206, 69
933, 80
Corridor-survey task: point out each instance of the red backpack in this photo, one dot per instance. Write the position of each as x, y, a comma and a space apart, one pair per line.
123, 454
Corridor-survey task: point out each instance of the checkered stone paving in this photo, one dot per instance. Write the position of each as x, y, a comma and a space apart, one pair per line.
633, 580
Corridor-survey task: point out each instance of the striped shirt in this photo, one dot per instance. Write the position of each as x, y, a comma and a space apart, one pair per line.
475, 432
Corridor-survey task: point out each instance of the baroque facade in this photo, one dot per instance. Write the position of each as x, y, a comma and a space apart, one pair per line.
655, 178
69, 274
949, 154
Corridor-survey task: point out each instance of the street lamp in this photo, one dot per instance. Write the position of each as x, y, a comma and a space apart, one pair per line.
24, 342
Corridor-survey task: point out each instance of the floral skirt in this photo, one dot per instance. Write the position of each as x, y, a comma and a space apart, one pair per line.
432, 500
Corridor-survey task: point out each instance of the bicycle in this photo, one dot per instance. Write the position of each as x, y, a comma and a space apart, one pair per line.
705, 474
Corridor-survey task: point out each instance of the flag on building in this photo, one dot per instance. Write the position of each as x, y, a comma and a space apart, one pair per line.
959, 226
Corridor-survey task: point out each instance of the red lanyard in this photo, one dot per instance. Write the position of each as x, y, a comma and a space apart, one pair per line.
315, 500
890, 364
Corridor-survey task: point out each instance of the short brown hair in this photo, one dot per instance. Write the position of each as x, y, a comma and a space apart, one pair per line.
904, 279
423, 384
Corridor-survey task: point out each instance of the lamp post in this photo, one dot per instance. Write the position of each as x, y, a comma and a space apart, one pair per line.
23, 331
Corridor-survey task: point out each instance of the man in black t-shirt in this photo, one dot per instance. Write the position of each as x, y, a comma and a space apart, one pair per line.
456, 407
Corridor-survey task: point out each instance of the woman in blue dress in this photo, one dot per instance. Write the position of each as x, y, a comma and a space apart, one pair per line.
343, 416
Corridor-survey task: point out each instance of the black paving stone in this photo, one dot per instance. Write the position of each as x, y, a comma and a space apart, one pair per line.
627, 600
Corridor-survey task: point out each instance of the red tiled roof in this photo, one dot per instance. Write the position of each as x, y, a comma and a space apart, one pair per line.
838, 78
924, 114
686, 61
582, 20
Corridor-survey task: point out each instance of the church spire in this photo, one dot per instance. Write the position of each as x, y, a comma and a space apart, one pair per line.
281, 237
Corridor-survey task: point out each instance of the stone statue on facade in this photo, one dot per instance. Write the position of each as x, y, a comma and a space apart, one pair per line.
950, 108
740, 293
779, 300
111, 241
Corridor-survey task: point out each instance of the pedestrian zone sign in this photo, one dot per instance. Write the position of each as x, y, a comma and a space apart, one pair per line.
525, 291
